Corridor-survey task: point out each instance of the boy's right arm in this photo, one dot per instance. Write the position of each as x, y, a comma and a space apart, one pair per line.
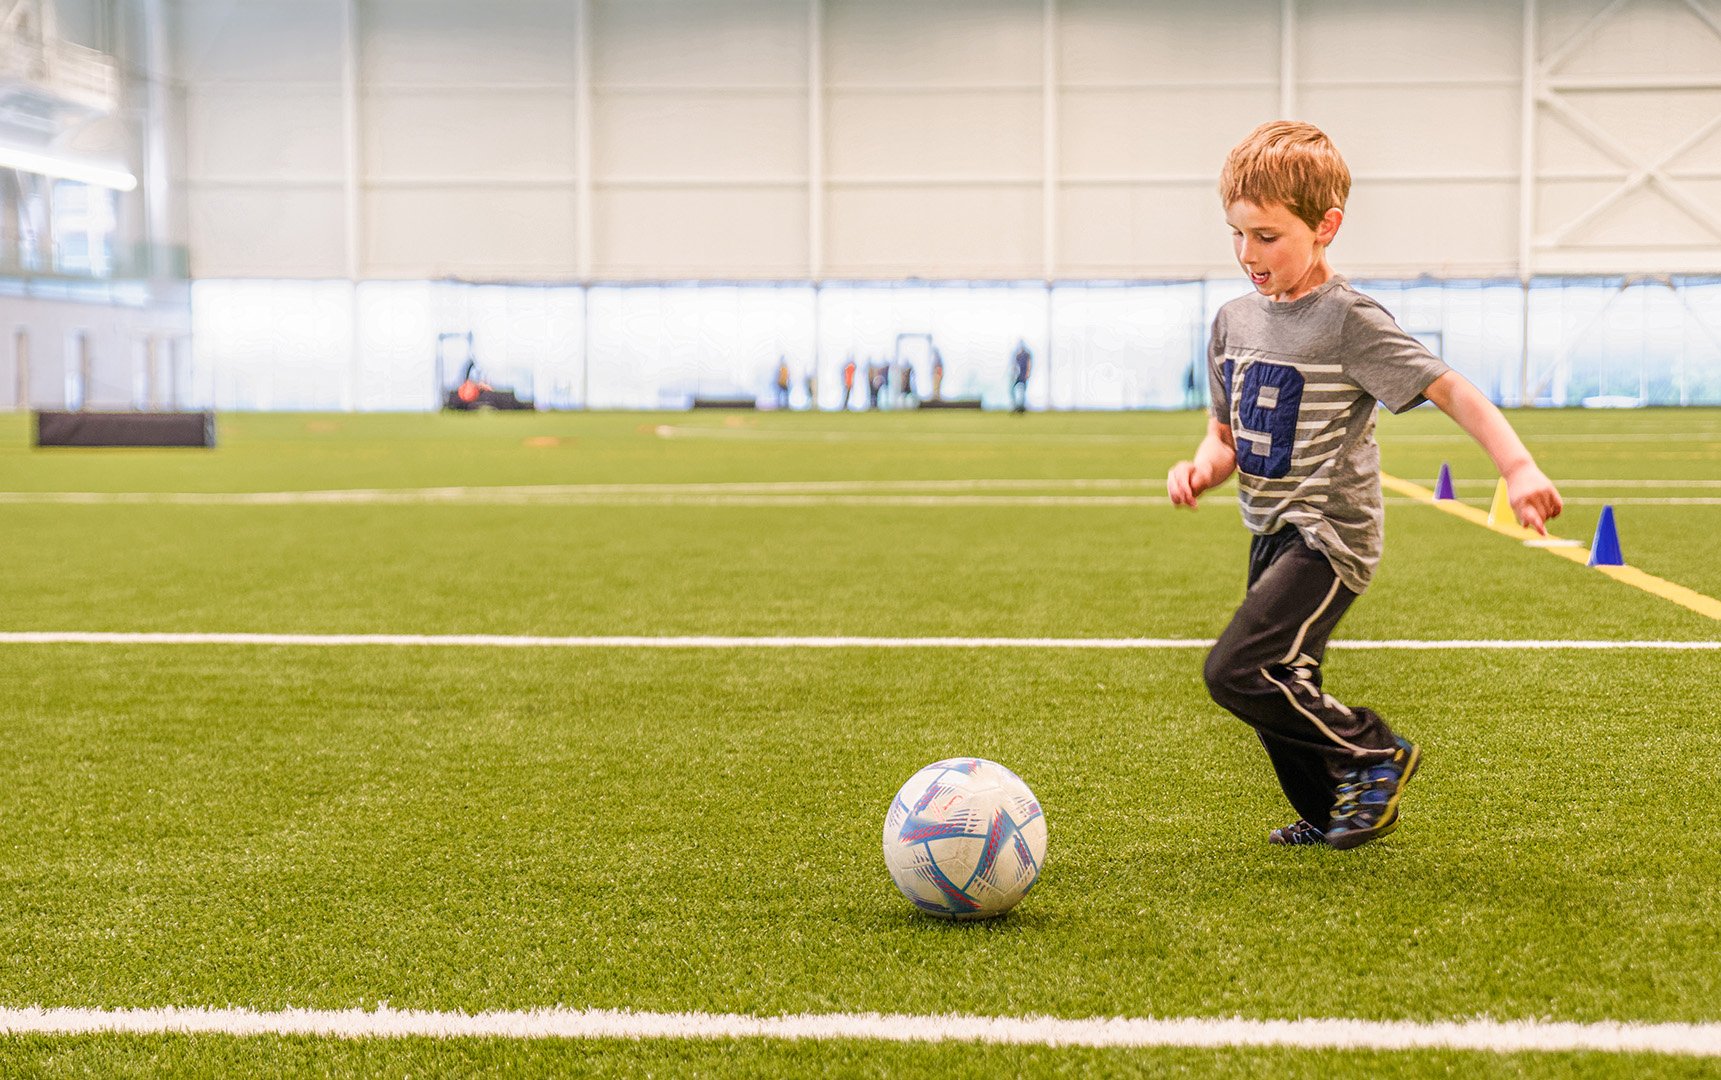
1215, 460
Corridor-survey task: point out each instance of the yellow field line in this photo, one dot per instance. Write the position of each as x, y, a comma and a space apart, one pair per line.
1631, 575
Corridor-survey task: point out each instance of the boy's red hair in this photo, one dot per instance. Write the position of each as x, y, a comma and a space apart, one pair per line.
1290, 164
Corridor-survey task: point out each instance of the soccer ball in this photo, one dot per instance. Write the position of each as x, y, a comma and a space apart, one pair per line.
964, 839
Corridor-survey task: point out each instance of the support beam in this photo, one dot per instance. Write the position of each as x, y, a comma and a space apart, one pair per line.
1604, 141
352, 187
1703, 13
1655, 170
1049, 145
1527, 143
157, 184
1527, 186
583, 239
350, 136
1581, 36
21, 357
815, 143
1287, 59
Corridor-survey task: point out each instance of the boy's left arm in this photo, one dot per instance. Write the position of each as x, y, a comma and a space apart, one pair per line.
1534, 498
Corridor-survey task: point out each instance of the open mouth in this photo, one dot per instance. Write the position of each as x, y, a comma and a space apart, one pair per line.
1258, 279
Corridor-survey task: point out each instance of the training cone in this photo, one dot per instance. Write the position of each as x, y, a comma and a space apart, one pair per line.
1443, 486
1604, 549
1501, 509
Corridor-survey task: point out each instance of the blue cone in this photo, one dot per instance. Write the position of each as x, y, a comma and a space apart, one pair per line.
1604, 549
1443, 486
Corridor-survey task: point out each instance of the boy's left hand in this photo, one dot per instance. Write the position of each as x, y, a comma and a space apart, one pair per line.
1534, 498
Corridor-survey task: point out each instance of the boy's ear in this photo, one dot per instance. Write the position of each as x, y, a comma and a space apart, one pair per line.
1330, 222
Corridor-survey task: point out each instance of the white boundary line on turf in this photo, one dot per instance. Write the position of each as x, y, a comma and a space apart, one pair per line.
1698, 1040
932, 493
515, 641
1565, 482
977, 492
1592, 500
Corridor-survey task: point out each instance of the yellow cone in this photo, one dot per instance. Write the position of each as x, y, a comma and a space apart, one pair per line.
1501, 510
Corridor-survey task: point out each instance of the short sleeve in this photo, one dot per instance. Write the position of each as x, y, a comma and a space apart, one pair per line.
1392, 366
1218, 373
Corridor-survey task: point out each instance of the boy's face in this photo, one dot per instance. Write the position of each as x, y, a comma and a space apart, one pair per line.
1283, 257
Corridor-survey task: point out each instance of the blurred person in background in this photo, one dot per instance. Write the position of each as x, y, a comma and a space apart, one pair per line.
1019, 368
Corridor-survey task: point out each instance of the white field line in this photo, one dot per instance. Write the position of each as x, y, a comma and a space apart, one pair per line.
510, 641
743, 433
1130, 492
1621, 500
1564, 482
1387, 438
598, 499
476, 498
985, 492
668, 499
1692, 1040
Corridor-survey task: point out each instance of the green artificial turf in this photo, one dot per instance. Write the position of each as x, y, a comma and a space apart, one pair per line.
682, 829
216, 1056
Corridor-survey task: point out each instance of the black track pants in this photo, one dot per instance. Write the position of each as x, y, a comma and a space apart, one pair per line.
1266, 668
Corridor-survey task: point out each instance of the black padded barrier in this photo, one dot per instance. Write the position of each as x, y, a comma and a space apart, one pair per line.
125, 429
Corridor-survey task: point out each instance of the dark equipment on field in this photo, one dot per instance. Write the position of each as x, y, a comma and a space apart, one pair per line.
125, 429
473, 392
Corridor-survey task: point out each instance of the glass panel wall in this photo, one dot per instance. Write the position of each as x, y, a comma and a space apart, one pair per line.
1090, 345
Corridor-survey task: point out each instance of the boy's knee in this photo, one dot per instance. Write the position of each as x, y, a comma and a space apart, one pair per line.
1225, 682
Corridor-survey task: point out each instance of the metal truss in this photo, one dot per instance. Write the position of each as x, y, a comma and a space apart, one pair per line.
1545, 95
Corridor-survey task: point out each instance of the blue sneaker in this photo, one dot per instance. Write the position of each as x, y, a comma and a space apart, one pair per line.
1367, 806
1297, 835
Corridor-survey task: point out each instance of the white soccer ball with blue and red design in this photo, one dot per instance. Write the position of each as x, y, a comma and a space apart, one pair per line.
965, 839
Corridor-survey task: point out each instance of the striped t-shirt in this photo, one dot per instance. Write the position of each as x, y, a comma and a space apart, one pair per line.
1297, 383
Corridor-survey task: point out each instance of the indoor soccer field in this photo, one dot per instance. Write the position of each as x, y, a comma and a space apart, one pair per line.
661, 829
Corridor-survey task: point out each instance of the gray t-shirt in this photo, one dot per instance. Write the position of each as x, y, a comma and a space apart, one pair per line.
1297, 383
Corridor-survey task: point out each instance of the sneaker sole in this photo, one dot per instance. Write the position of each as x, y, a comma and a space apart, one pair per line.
1346, 841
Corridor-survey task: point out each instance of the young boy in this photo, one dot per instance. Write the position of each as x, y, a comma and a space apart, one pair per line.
1296, 371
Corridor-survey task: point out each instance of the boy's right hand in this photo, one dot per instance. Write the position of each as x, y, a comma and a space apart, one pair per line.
1533, 497
1185, 483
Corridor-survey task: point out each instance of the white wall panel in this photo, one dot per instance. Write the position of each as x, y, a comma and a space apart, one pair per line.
932, 155
462, 133
1639, 220
475, 230
713, 135
258, 41
1144, 230
903, 101
1127, 41
989, 134
679, 233
1156, 132
1626, 146
1406, 131
1408, 39
934, 231
951, 42
1661, 36
460, 43
699, 141
700, 42
267, 232
1648, 128
1410, 229
264, 131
